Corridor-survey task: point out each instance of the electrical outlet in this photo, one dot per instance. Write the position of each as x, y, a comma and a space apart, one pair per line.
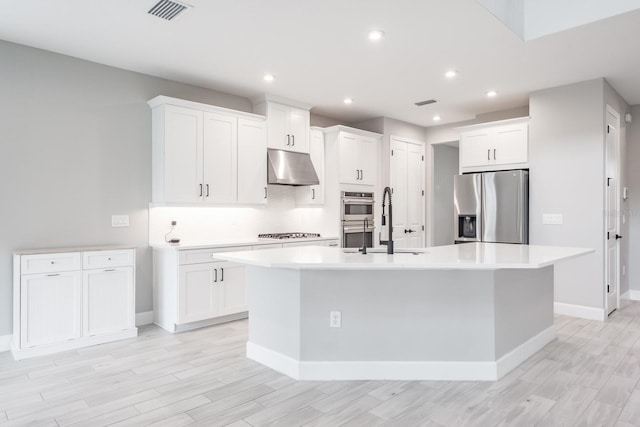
119, 220
335, 319
555, 219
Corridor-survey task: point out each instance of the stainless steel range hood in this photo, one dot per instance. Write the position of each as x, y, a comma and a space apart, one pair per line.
289, 168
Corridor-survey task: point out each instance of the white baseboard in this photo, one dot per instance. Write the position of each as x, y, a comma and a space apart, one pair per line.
144, 318
581, 311
43, 350
400, 370
515, 357
631, 295
5, 342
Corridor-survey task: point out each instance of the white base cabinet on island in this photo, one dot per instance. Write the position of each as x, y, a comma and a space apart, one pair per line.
65, 300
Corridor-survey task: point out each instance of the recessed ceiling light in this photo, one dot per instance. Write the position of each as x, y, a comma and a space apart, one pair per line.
376, 35
451, 74
492, 93
269, 78
436, 118
348, 101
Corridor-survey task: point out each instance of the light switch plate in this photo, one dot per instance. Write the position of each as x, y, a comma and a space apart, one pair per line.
119, 220
554, 219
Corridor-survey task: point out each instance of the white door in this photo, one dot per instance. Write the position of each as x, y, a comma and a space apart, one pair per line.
314, 194
220, 158
415, 195
197, 299
398, 183
367, 160
50, 308
278, 127
108, 298
349, 173
511, 144
475, 148
252, 162
183, 155
612, 210
299, 130
232, 289
407, 181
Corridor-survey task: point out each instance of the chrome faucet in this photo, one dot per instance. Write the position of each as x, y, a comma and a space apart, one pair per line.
389, 241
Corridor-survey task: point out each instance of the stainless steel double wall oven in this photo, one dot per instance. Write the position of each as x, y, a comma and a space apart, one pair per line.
357, 219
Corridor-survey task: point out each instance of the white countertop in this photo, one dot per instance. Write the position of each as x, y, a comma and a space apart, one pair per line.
72, 249
238, 242
468, 256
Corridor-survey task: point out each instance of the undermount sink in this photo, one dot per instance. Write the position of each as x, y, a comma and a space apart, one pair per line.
412, 251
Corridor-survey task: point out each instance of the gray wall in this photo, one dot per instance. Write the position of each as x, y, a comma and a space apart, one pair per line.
566, 158
75, 148
632, 206
445, 167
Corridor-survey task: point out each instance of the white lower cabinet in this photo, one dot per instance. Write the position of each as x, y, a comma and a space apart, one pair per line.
192, 289
108, 301
65, 300
50, 308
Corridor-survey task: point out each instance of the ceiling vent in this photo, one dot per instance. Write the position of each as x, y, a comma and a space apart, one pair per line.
168, 9
427, 102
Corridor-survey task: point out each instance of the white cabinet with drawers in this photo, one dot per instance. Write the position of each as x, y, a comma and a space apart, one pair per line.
66, 299
193, 289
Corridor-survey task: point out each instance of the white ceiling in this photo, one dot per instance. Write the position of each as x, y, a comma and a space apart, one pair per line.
319, 52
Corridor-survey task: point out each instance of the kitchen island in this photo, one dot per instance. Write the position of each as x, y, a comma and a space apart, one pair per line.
459, 312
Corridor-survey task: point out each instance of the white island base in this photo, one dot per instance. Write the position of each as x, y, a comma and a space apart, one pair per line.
460, 312
398, 325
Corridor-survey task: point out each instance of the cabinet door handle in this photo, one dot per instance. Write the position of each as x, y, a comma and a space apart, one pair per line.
288, 139
357, 175
200, 190
221, 274
293, 140
489, 154
207, 190
51, 275
265, 192
215, 279
494, 154
361, 175
110, 269
313, 194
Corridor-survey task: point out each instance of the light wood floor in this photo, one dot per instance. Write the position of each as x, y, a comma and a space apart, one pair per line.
588, 377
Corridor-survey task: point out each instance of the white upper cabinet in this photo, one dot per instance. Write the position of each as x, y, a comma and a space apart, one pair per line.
313, 195
287, 126
203, 154
357, 154
220, 158
358, 159
252, 162
496, 145
180, 130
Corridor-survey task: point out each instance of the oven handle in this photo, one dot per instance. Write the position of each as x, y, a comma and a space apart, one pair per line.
356, 229
358, 201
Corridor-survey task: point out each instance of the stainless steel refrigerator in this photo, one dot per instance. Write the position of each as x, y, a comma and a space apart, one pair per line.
491, 207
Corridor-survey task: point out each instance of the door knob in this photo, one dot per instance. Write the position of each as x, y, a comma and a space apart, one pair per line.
618, 236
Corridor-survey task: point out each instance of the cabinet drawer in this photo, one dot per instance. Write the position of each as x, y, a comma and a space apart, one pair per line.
198, 256
49, 263
104, 259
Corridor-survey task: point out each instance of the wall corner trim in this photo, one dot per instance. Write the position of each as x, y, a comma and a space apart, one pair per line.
584, 312
144, 318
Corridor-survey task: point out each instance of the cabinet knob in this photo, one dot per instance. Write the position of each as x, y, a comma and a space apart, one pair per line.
109, 259
52, 262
